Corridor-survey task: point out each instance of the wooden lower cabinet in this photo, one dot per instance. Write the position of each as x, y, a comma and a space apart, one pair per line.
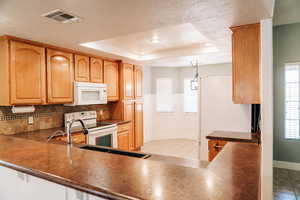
125, 136
129, 115
214, 147
123, 140
138, 124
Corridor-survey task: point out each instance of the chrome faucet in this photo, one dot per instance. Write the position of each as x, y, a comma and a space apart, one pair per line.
69, 127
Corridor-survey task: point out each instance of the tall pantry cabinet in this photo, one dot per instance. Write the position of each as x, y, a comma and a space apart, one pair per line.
130, 106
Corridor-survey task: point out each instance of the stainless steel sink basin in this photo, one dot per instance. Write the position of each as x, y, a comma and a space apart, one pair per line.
114, 151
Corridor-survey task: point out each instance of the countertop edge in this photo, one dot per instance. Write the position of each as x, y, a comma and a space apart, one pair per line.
62, 181
231, 139
217, 167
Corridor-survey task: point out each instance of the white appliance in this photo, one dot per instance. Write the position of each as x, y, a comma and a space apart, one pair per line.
89, 94
102, 134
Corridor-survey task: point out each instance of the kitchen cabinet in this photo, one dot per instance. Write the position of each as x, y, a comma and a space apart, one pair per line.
245, 64
124, 131
138, 124
128, 107
27, 74
96, 70
18, 185
22, 73
214, 147
60, 77
138, 82
111, 78
123, 140
127, 81
82, 68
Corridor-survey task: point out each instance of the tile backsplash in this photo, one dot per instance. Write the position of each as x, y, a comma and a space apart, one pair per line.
50, 116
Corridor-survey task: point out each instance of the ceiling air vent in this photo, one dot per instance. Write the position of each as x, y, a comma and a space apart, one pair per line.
62, 16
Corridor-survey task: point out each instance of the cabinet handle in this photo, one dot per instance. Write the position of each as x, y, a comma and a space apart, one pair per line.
217, 147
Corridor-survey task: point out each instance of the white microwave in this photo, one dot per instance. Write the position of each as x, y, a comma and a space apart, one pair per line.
89, 94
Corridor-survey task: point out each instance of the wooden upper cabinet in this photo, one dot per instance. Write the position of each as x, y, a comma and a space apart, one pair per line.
138, 82
82, 68
245, 63
128, 81
138, 124
96, 70
27, 74
60, 76
111, 78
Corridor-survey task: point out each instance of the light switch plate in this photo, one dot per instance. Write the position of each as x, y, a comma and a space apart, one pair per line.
30, 120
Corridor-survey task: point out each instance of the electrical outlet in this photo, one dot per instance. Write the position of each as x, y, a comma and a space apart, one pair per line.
30, 120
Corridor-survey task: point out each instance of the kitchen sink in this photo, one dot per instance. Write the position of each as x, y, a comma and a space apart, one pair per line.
114, 151
77, 138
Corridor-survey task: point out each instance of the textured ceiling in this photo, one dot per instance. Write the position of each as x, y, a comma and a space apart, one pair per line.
286, 12
112, 20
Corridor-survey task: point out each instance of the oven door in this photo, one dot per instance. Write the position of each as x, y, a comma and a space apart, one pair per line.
106, 137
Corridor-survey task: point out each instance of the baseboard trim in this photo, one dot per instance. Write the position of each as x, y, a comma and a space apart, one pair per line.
286, 165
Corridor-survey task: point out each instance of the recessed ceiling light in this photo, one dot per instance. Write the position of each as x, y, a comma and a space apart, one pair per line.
155, 40
208, 44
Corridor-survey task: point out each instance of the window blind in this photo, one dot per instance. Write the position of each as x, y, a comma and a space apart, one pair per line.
292, 101
190, 97
164, 95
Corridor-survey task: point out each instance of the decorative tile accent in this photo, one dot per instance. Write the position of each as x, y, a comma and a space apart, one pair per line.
50, 116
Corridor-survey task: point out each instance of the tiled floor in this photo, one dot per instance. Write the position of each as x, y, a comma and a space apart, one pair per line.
286, 184
182, 148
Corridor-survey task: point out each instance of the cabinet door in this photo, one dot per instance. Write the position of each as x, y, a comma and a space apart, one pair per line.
128, 81
123, 140
82, 68
214, 147
60, 76
245, 63
139, 124
111, 78
96, 70
138, 82
27, 74
16, 185
129, 115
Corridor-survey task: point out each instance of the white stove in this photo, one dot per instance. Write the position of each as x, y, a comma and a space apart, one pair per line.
102, 134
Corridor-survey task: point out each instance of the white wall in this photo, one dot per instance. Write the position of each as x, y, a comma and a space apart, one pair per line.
266, 63
218, 110
178, 124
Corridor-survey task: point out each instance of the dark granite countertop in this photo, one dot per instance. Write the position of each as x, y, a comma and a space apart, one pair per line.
232, 136
233, 175
117, 121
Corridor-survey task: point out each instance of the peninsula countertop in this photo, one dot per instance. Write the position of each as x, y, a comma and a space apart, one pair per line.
232, 136
233, 175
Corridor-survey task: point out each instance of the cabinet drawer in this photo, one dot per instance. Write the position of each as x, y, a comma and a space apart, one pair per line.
214, 147
124, 127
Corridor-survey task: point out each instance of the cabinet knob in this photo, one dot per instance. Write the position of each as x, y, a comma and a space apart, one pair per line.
217, 147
